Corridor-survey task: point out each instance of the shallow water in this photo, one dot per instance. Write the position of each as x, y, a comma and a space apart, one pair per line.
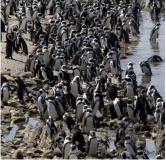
9, 136
143, 49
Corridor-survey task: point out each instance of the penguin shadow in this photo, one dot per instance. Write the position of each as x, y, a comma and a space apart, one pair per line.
18, 60
154, 45
146, 79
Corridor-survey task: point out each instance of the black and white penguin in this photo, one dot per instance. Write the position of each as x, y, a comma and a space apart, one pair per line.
130, 146
51, 129
23, 22
73, 154
119, 107
92, 144
30, 64
154, 33
66, 147
141, 152
21, 88
46, 55
7, 8
75, 86
129, 67
69, 121
21, 44
42, 7
5, 95
155, 58
129, 89
3, 22
10, 46
120, 133
79, 107
126, 155
39, 55
130, 110
89, 121
78, 138
42, 103
76, 71
47, 73
53, 108
142, 108
145, 67
126, 123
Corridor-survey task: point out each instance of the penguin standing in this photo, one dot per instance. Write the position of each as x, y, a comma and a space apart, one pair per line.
21, 88
9, 46
130, 110
30, 64
46, 55
69, 121
66, 147
145, 67
22, 44
92, 145
154, 33
51, 129
75, 86
120, 133
79, 107
3, 22
129, 90
119, 107
52, 108
73, 152
130, 146
5, 95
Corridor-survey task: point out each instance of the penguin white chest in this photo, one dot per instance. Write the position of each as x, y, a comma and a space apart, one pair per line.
130, 92
93, 147
89, 124
79, 110
74, 89
129, 148
5, 94
52, 111
117, 108
46, 58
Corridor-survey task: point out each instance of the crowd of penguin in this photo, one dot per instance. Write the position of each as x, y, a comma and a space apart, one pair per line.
85, 37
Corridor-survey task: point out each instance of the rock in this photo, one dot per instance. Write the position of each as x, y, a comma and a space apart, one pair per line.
57, 152
18, 154
111, 123
33, 111
27, 75
22, 144
14, 104
19, 136
18, 119
30, 153
6, 73
49, 156
6, 112
140, 127
147, 133
3, 153
9, 78
38, 151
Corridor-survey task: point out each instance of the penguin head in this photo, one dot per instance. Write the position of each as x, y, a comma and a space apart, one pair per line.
73, 147
159, 157
30, 56
41, 91
92, 133
45, 48
39, 15
158, 24
128, 137
125, 120
64, 68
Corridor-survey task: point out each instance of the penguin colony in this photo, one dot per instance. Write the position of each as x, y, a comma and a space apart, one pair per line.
85, 38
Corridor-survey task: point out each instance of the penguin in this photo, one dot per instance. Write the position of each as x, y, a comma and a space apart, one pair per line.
51, 129
7, 8
42, 103
89, 122
119, 107
57, 61
155, 58
52, 108
141, 152
154, 33
60, 103
129, 90
69, 121
21, 88
75, 86
46, 55
5, 95
78, 138
96, 104
145, 67
59, 89
126, 155
10, 46
129, 68
126, 123
22, 44
47, 73
66, 147
130, 146
35, 100
142, 108
39, 55
131, 110
23, 23
42, 7
3, 22
79, 108
120, 134
76, 71
73, 152
92, 145
3, 80
30, 64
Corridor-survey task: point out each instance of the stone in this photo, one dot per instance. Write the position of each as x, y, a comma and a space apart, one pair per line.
18, 154
147, 134
27, 75
14, 104
49, 156
9, 78
33, 111
6, 73
57, 152
3, 153
6, 112
18, 119
38, 151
